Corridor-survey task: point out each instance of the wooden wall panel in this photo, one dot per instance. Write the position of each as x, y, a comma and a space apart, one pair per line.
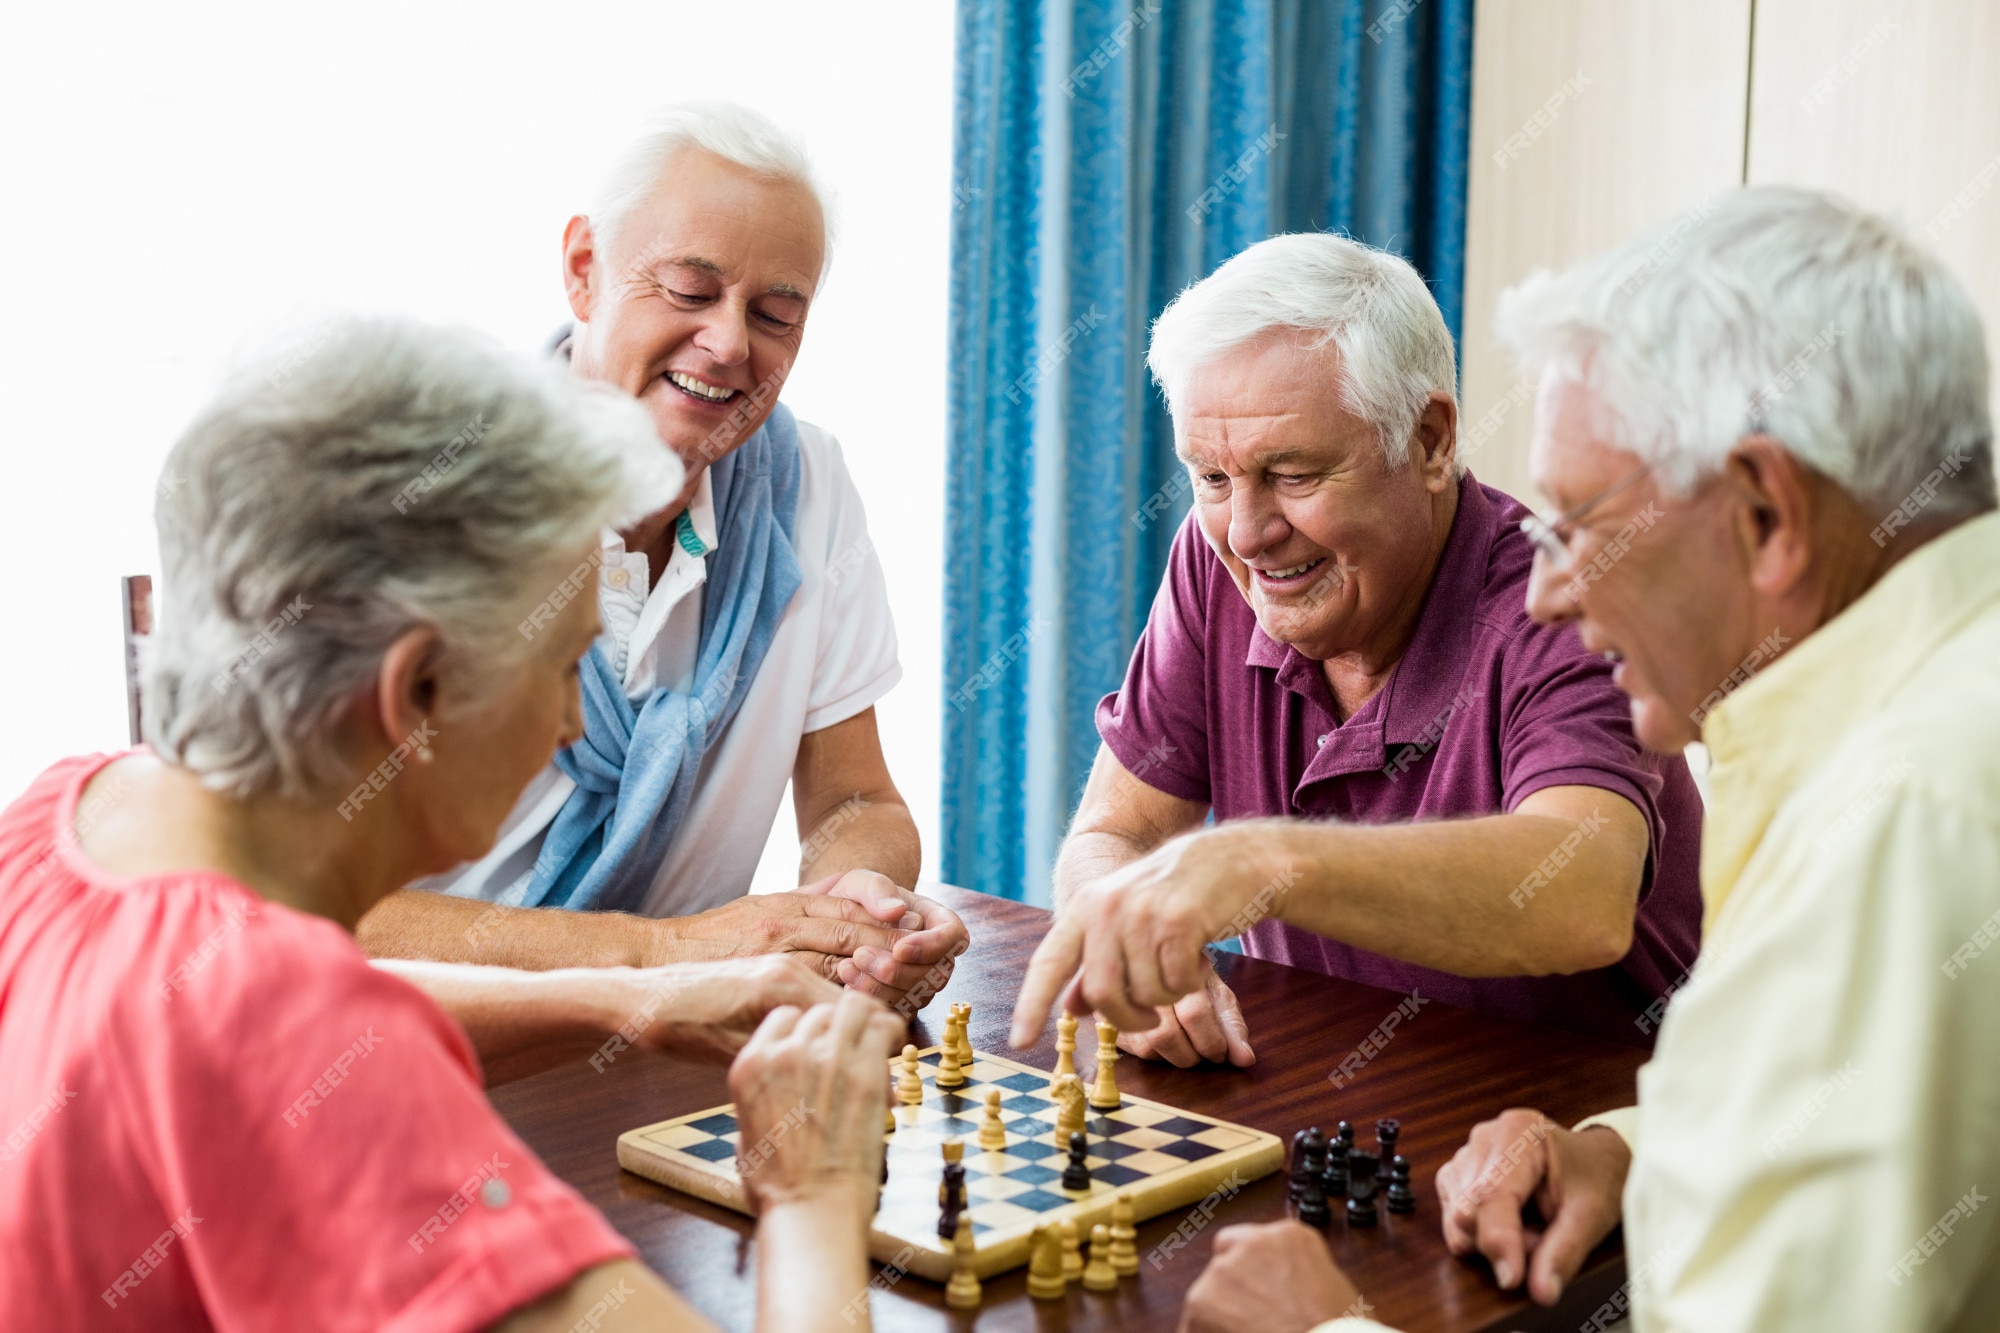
1591, 120
1894, 103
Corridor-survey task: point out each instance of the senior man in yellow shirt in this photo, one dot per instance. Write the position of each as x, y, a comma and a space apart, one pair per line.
1802, 392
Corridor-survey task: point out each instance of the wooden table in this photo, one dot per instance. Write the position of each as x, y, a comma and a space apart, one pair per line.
1442, 1071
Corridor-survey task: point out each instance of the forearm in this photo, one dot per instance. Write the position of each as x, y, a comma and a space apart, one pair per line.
862, 833
1091, 854
812, 1265
414, 923
520, 1022
1450, 895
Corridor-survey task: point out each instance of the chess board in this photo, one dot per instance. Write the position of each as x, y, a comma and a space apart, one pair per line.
1161, 1156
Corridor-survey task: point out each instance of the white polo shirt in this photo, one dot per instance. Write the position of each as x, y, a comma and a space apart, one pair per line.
834, 655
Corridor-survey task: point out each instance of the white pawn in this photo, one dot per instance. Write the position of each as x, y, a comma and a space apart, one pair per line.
1098, 1274
992, 1132
910, 1087
963, 1292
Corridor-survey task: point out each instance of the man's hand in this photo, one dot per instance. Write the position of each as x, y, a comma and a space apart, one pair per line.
706, 1011
817, 926
1275, 1277
1575, 1180
1131, 942
810, 1089
1206, 1024
907, 974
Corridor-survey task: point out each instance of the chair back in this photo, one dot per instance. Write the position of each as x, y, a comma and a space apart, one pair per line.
137, 595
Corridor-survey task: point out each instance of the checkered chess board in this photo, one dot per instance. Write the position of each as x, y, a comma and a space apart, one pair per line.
1163, 1157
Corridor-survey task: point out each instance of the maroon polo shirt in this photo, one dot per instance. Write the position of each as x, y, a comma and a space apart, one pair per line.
1485, 708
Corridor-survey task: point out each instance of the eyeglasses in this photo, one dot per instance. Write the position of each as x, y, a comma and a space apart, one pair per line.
1551, 536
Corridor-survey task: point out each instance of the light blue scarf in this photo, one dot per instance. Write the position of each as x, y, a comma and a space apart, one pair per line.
635, 770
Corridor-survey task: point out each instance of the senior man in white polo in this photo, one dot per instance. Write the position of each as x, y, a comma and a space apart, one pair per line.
1817, 1139
747, 627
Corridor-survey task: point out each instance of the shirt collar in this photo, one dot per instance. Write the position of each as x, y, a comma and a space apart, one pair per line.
1412, 701
1767, 735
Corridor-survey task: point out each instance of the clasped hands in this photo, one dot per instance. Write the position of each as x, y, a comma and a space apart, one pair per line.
860, 930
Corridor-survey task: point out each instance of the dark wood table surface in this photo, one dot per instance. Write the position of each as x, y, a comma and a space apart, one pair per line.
1442, 1071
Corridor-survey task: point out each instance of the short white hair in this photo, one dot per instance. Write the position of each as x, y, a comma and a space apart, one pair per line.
732, 132
1370, 305
1778, 310
376, 476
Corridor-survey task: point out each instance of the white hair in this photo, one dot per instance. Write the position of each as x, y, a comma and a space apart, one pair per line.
378, 476
732, 132
1374, 309
1778, 310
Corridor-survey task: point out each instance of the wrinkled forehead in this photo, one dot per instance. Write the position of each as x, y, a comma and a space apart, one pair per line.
736, 225
1575, 446
1268, 401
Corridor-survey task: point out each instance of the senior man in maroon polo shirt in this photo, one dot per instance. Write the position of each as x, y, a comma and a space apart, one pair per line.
1413, 784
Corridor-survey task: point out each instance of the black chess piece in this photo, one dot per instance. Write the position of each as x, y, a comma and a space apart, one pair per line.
1386, 1134
1361, 1189
1076, 1176
1312, 1192
954, 1198
1400, 1197
1345, 1133
1300, 1141
1335, 1178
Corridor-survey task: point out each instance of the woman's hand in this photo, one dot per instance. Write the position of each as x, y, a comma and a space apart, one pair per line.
707, 1011
811, 1087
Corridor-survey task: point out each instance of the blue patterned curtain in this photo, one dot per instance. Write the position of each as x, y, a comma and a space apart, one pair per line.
1107, 153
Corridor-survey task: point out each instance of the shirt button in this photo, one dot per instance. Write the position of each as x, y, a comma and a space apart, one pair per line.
617, 578
1322, 741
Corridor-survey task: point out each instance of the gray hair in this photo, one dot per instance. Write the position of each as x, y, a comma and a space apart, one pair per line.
378, 476
1375, 310
732, 132
1776, 310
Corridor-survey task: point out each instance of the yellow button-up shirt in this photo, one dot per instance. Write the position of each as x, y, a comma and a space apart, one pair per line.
1817, 1140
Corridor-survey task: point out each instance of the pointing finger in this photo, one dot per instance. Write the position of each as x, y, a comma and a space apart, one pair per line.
1054, 963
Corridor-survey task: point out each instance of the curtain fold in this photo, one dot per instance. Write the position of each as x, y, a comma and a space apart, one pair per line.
1107, 153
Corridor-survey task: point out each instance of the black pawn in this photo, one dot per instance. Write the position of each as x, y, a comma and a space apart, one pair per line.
1386, 1134
1361, 1189
954, 1198
1345, 1133
1335, 1181
1313, 1210
1400, 1197
1301, 1142
1076, 1176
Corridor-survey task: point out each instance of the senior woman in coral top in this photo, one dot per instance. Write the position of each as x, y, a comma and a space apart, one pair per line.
214, 1112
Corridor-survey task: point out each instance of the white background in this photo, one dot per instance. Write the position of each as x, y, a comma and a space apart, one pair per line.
180, 178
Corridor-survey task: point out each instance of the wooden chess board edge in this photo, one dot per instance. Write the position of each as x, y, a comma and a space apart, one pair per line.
641, 1160
933, 1261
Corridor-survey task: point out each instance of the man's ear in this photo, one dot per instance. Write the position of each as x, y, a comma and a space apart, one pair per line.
580, 266
407, 686
1437, 436
1775, 518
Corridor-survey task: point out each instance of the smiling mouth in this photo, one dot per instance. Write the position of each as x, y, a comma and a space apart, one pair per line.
698, 390
1287, 578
